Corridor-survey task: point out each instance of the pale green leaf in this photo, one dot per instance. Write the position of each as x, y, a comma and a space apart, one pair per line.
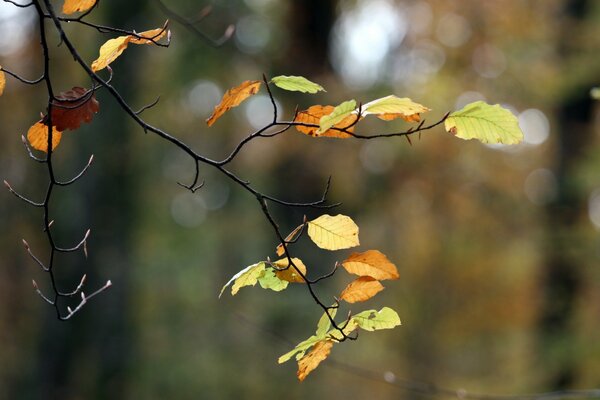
296, 84
300, 349
391, 107
486, 123
246, 277
373, 320
269, 280
337, 115
324, 323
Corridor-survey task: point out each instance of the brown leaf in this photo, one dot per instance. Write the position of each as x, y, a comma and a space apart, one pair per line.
292, 235
313, 115
361, 289
233, 98
73, 107
38, 136
2, 81
311, 361
371, 263
290, 274
73, 6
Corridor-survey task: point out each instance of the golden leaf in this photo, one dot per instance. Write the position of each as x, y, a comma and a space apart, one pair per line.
292, 235
313, 115
333, 233
361, 289
311, 361
371, 263
290, 274
233, 98
38, 136
2, 81
110, 51
151, 36
73, 6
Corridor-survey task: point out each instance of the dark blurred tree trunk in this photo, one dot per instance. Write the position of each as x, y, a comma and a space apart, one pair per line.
562, 279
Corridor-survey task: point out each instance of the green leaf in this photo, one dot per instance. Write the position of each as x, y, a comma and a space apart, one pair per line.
324, 323
300, 349
246, 277
373, 320
337, 115
269, 280
296, 84
486, 123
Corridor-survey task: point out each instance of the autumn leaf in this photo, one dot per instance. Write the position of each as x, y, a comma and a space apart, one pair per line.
290, 274
312, 360
313, 115
233, 98
269, 280
486, 123
338, 114
373, 320
2, 81
37, 136
291, 236
361, 289
73, 6
371, 263
73, 107
296, 84
333, 232
150, 36
392, 107
320, 335
246, 277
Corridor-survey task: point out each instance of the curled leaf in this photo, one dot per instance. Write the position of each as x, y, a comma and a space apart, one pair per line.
151, 36
311, 361
291, 236
37, 136
73, 6
371, 263
333, 232
73, 107
246, 277
296, 84
234, 97
361, 289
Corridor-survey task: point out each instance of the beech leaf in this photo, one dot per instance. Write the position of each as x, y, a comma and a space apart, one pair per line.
73, 6
325, 323
313, 115
246, 277
37, 136
296, 84
392, 107
234, 97
486, 123
150, 36
290, 274
371, 263
269, 280
373, 320
2, 81
291, 236
361, 289
312, 360
73, 107
338, 114
333, 232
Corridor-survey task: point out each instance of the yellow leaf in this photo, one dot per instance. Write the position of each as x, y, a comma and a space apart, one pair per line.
391, 107
233, 98
313, 115
2, 81
73, 6
110, 51
333, 233
292, 235
38, 136
311, 361
290, 274
371, 263
151, 36
361, 289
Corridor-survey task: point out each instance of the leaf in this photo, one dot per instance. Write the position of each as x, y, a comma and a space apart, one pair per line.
313, 115
486, 123
73, 6
246, 277
290, 274
300, 349
338, 114
392, 107
73, 107
373, 320
361, 289
371, 263
151, 36
291, 236
296, 84
109, 52
333, 233
269, 280
2, 81
312, 360
233, 98
37, 136
325, 323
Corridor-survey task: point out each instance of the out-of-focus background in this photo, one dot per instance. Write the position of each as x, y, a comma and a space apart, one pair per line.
498, 247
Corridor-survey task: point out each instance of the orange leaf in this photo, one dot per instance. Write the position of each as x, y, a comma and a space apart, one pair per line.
233, 98
361, 289
109, 52
279, 250
38, 136
311, 361
73, 6
313, 115
2, 81
392, 116
371, 263
73, 107
151, 36
290, 274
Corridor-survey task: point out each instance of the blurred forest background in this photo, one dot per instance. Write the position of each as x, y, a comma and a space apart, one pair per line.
497, 247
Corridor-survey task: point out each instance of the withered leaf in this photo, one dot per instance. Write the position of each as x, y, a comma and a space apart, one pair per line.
361, 289
73, 107
37, 136
234, 97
